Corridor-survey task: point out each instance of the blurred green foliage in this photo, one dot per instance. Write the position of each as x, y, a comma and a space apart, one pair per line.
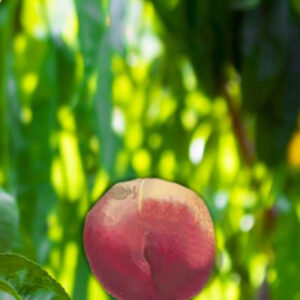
202, 92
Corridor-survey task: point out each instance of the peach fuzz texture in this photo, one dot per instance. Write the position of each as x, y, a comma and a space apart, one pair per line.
150, 239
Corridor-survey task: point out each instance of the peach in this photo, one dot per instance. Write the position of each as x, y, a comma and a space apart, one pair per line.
150, 239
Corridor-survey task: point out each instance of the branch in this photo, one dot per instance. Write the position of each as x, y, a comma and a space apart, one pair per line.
245, 145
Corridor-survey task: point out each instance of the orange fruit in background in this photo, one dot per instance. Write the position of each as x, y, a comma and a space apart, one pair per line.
150, 239
294, 151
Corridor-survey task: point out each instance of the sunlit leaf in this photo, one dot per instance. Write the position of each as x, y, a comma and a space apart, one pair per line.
26, 280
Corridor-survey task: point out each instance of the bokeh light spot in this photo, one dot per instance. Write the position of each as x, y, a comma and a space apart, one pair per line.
247, 222
26, 115
122, 89
141, 162
100, 184
258, 268
221, 200
95, 290
294, 151
189, 118
20, 43
118, 121
167, 164
29, 82
197, 150
133, 136
155, 140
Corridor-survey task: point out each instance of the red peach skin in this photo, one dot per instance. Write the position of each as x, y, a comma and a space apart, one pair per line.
149, 239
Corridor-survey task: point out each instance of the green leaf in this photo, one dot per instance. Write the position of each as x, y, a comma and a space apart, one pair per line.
9, 220
7, 288
25, 279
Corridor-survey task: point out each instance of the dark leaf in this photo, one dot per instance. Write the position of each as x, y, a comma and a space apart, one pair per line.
270, 77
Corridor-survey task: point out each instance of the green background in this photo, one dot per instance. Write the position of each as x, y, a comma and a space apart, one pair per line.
202, 92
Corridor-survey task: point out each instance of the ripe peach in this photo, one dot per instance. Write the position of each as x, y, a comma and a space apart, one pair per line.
149, 239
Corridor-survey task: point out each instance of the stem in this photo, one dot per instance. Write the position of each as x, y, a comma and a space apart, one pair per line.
245, 145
